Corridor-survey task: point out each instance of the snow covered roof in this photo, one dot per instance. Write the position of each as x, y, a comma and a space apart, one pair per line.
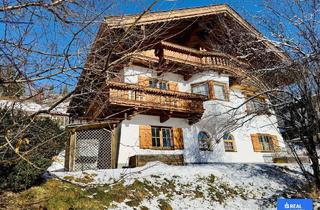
31, 106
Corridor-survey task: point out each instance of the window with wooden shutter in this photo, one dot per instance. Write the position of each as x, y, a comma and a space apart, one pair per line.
156, 137
178, 138
255, 142
173, 86
160, 84
143, 81
275, 143
211, 89
157, 83
264, 143
145, 136
161, 137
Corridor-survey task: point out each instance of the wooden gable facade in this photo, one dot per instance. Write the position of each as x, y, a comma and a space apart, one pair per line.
185, 42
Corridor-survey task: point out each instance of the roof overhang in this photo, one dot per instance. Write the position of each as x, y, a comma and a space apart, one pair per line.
114, 22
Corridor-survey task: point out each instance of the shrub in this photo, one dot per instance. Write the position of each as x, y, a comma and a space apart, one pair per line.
37, 140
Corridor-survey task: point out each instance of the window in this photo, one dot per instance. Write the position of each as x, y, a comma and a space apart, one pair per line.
219, 91
201, 88
163, 85
166, 137
257, 105
155, 136
154, 83
161, 137
211, 89
266, 143
229, 143
204, 141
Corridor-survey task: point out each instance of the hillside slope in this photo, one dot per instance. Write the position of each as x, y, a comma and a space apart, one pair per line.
160, 186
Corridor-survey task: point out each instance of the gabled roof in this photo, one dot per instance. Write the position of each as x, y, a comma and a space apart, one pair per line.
114, 22
179, 14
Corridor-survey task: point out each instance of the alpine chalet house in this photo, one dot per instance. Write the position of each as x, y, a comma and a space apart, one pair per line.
167, 86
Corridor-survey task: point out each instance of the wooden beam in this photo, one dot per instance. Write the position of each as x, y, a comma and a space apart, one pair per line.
164, 117
194, 119
186, 77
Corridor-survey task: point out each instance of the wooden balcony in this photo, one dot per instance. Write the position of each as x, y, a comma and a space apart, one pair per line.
170, 52
152, 101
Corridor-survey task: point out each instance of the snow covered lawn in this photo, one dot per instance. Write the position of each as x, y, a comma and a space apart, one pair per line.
214, 186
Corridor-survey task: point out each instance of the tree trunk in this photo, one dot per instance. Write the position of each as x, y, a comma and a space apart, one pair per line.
314, 160
316, 172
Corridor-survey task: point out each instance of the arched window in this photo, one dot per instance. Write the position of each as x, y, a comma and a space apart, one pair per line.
229, 143
204, 141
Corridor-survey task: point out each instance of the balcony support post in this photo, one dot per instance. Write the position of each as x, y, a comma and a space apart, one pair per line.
186, 77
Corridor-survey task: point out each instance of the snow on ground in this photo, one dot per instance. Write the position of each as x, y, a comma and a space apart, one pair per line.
212, 186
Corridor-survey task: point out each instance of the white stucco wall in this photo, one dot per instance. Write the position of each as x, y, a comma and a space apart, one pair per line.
131, 74
129, 138
215, 121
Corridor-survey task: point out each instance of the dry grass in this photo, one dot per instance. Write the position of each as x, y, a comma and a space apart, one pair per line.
56, 194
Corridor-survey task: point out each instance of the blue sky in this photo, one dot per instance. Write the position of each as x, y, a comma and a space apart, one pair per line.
246, 8
133, 6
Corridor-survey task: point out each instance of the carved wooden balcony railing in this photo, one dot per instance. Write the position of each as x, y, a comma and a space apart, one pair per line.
164, 103
154, 98
197, 58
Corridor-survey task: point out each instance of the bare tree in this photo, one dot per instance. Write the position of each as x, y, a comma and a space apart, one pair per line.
46, 44
291, 86
297, 104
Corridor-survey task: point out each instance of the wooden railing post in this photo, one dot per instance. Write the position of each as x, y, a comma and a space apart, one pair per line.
70, 151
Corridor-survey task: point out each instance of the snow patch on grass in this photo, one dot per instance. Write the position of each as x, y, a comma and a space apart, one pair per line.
214, 186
